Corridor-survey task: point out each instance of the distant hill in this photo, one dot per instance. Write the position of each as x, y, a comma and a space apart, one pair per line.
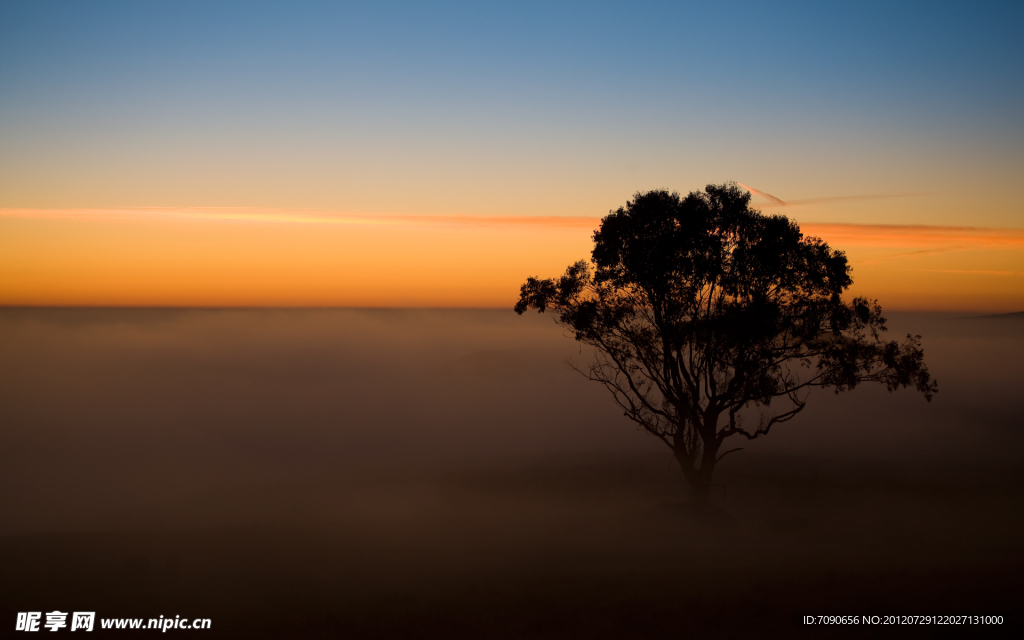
1016, 315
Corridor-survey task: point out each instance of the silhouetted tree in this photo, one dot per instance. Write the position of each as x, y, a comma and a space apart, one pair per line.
710, 319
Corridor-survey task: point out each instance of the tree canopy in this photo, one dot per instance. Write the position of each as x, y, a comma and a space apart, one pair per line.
710, 320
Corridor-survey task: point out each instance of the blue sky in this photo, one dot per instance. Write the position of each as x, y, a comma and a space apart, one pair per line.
400, 107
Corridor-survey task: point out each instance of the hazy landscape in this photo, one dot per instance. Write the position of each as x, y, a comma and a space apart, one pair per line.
261, 362
419, 473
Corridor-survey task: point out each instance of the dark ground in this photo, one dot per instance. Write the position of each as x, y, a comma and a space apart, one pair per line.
440, 474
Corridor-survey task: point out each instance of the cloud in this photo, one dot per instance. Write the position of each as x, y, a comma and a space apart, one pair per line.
844, 198
984, 272
913, 254
917, 238
778, 202
931, 237
775, 201
299, 216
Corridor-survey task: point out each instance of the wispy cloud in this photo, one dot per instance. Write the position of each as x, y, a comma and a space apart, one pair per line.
299, 216
778, 202
914, 239
929, 237
775, 201
983, 272
881, 196
913, 254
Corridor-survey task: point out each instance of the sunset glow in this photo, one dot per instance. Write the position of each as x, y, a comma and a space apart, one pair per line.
347, 155
258, 257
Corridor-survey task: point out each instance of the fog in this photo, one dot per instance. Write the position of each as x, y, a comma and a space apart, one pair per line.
387, 473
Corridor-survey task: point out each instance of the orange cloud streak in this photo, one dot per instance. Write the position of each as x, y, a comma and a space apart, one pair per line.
247, 256
300, 216
838, 234
893, 235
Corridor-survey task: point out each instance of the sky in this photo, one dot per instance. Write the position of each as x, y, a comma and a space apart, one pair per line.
437, 154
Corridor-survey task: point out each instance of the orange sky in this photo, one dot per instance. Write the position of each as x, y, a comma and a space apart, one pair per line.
267, 257
352, 154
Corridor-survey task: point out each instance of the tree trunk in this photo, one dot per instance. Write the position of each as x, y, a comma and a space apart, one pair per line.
699, 490
700, 485
698, 479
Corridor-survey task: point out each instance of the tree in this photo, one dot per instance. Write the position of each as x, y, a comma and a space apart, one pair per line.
710, 320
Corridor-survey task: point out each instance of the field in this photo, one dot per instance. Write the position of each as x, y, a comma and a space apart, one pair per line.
383, 474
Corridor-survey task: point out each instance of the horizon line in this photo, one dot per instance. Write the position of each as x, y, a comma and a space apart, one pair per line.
192, 307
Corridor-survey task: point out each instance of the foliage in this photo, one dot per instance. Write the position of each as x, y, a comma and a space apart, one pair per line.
710, 319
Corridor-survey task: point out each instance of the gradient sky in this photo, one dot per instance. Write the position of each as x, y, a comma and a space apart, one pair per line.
396, 153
